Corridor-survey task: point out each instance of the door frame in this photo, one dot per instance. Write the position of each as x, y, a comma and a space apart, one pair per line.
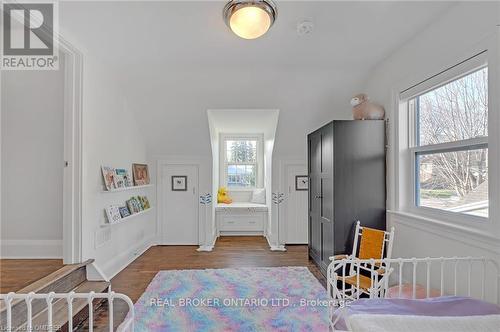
283, 165
73, 152
71, 243
160, 194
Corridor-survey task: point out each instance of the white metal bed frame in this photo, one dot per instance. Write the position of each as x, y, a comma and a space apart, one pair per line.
127, 325
396, 265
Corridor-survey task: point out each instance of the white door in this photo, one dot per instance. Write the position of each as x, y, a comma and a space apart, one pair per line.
180, 207
296, 225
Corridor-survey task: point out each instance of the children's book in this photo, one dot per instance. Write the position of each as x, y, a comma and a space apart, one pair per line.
145, 202
122, 178
108, 174
124, 212
133, 205
113, 213
139, 202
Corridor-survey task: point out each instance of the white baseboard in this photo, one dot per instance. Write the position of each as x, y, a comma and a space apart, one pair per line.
277, 247
118, 263
273, 246
205, 248
31, 249
208, 247
94, 273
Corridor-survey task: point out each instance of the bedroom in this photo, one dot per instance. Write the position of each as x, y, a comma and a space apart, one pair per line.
172, 101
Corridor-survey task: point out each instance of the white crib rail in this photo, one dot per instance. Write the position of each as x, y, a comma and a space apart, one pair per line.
396, 266
127, 325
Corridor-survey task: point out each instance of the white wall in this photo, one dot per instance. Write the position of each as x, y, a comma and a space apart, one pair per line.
110, 137
457, 35
32, 163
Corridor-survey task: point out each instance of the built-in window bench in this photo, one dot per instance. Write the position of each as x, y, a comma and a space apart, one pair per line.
241, 218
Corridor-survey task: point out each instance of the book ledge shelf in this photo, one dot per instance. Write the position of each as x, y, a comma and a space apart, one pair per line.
122, 220
127, 188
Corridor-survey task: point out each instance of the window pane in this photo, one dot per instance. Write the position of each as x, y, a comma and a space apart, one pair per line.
454, 181
241, 151
241, 176
455, 111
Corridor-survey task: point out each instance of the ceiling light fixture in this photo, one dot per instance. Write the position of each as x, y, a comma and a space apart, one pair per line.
250, 19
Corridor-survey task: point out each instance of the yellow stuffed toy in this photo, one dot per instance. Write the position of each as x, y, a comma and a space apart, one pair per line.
223, 197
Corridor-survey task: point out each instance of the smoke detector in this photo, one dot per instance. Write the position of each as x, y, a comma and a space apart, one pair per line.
304, 27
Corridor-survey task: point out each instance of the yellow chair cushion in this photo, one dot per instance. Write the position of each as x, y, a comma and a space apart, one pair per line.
364, 282
372, 241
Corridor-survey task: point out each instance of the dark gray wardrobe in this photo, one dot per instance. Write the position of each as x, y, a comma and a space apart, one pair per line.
346, 162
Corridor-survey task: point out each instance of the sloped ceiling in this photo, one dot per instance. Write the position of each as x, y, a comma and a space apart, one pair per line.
176, 59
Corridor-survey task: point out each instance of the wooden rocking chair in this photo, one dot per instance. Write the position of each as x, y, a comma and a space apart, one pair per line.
360, 275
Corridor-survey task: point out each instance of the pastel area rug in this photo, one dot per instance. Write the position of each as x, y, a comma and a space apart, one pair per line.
239, 299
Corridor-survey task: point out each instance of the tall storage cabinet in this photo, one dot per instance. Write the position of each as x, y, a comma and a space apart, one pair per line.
346, 163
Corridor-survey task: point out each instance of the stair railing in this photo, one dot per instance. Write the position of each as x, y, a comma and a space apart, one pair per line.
127, 325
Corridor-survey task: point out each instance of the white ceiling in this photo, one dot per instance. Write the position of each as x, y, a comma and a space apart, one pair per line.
244, 121
193, 33
177, 59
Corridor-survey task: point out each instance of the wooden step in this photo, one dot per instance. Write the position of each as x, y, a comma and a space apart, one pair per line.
61, 281
60, 308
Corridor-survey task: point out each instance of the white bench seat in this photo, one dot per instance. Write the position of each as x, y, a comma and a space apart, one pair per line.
241, 218
241, 205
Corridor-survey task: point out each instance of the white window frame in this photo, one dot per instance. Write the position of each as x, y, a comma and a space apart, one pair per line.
409, 158
259, 181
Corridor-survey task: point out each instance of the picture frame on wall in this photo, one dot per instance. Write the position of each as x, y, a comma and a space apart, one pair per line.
301, 182
141, 174
179, 183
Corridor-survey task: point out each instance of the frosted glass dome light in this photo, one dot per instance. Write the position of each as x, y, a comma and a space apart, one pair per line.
250, 19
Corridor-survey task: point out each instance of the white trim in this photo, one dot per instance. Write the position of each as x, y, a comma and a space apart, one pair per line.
466, 235
112, 267
72, 198
70, 247
471, 143
1, 154
402, 154
452, 73
94, 273
32, 249
223, 137
207, 247
277, 248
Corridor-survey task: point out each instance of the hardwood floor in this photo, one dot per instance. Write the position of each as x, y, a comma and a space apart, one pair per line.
237, 251
16, 274
229, 252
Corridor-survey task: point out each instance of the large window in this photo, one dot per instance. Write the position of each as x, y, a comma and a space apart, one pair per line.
449, 145
241, 162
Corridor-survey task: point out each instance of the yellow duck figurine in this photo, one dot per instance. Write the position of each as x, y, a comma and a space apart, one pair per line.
223, 197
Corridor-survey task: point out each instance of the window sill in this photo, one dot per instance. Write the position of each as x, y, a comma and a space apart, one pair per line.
474, 234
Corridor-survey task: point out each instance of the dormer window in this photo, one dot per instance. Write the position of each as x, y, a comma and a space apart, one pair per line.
241, 166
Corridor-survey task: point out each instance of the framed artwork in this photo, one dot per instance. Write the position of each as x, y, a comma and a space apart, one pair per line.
179, 183
301, 182
141, 174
